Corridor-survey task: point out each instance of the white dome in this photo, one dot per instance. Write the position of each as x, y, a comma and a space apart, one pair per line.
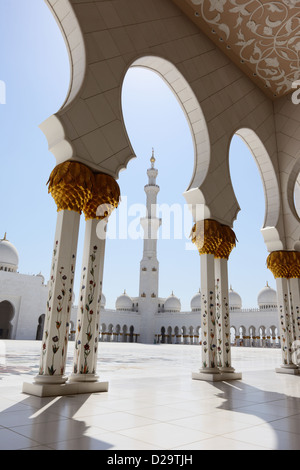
124, 302
196, 302
235, 300
267, 298
9, 256
172, 304
103, 301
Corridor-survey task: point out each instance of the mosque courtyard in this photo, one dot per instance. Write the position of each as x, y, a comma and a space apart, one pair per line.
152, 403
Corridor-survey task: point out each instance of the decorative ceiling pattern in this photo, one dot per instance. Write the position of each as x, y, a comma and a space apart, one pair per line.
262, 37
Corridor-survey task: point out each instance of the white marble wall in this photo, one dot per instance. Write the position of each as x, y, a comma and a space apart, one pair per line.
28, 295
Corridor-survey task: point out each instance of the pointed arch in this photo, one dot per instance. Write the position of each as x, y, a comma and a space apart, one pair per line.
71, 31
191, 108
267, 173
272, 227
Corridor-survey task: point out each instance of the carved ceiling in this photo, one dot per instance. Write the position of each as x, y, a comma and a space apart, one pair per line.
261, 37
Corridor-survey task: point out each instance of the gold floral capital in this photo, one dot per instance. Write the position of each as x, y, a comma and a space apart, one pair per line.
105, 197
206, 235
70, 185
227, 244
284, 264
213, 238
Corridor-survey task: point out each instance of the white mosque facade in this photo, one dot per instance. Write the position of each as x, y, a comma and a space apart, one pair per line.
23, 297
147, 318
256, 327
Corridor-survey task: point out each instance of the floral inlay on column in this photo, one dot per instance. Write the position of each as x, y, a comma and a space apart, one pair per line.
285, 266
69, 185
286, 328
227, 346
58, 322
49, 309
204, 331
219, 324
88, 292
106, 197
215, 243
212, 335
208, 332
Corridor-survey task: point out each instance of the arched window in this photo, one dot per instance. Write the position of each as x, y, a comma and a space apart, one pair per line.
7, 313
40, 327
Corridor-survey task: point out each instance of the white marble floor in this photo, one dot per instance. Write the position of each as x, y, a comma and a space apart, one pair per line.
152, 403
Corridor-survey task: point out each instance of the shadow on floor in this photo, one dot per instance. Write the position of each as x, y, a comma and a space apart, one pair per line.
278, 411
39, 422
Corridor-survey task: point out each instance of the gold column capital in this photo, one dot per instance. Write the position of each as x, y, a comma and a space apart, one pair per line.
227, 244
211, 237
105, 193
70, 185
284, 264
206, 235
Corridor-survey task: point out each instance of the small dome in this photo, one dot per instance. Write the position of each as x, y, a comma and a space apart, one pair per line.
267, 298
172, 304
196, 302
9, 256
124, 302
103, 301
235, 301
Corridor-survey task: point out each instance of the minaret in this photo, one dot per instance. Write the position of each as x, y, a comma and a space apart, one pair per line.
149, 267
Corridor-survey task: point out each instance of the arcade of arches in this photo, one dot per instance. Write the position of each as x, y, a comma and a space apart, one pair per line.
223, 89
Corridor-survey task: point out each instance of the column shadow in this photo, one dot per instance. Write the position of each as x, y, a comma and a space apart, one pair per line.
46, 423
280, 411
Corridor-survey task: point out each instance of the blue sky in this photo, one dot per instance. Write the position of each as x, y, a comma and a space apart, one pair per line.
35, 68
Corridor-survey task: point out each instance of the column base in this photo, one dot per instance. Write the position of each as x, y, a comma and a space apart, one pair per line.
216, 377
224, 370
288, 369
50, 379
83, 378
56, 390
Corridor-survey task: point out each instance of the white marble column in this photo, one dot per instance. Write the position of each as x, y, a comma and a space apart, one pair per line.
222, 315
58, 310
72, 186
286, 327
295, 317
208, 315
105, 198
215, 243
295, 306
285, 267
88, 319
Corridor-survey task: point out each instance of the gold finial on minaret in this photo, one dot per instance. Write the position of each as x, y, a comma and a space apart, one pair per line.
152, 159
4, 239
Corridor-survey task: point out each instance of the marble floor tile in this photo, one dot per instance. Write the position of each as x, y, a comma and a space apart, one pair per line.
153, 403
